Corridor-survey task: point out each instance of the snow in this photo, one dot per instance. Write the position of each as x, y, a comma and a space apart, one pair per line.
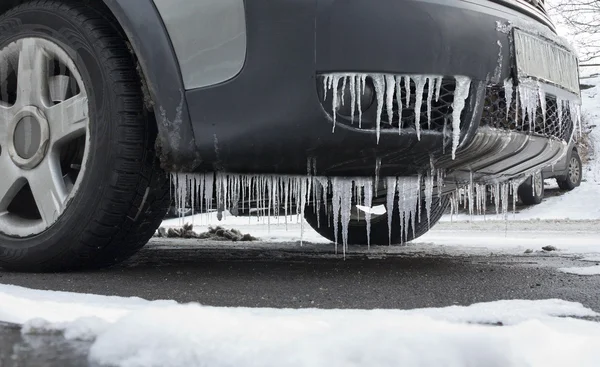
585, 270
134, 332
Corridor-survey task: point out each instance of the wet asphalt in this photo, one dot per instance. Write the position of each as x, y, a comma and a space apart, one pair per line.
227, 274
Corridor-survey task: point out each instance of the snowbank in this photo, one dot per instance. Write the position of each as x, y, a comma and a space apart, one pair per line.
134, 332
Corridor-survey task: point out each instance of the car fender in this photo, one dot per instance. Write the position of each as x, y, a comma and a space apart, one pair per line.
157, 59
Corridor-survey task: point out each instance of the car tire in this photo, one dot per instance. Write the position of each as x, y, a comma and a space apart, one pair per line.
531, 191
357, 231
118, 195
574, 173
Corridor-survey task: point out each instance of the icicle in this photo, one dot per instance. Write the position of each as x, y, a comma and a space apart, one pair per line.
461, 93
344, 81
353, 96
399, 101
497, 197
575, 111
336, 202
428, 197
361, 90
391, 192
407, 90
559, 110
326, 86
440, 183
529, 99
303, 194
420, 87
390, 85
335, 82
470, 194
430, 86
377, 170
368, 190
542, 95
508, 94
438, 88
379, 83
408, 194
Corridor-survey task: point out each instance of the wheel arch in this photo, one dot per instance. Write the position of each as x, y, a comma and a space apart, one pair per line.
159, 70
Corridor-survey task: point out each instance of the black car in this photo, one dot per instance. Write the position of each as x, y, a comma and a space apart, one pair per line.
109, 108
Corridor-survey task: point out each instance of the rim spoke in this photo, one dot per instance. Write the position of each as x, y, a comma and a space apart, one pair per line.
11, 182
6, 116
48, 188
68, 119
32, 73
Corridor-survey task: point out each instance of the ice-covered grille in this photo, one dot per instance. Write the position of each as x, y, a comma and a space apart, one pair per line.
440, 108
394, 101
407, 103
557, 122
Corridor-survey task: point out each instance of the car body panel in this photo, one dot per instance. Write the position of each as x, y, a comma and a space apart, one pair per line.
209, 38
263, 112
150, 41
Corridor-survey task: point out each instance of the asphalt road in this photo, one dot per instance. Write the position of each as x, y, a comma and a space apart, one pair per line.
287, 275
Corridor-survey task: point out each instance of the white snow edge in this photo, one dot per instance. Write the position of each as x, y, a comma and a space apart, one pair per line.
135, 332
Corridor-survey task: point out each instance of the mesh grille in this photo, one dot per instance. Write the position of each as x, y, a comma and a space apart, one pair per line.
497, 115
441, 108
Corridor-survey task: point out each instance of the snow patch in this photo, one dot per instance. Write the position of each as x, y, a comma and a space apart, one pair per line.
585, 270
536, 333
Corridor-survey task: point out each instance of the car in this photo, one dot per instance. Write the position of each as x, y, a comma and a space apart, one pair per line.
568, 173
363, 116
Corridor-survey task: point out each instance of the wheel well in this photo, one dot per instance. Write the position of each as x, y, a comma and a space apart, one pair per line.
6, 5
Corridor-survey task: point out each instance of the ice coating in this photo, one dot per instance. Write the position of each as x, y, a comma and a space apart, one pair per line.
474, 196
288, 196
532, 100
463, 86
529, 101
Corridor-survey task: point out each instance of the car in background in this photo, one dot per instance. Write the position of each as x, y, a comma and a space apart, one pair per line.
567, 172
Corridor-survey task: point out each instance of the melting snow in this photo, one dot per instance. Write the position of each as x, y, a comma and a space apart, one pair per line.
126, 332
585, 270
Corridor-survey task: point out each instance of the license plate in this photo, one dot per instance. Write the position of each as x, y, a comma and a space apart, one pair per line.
543, 60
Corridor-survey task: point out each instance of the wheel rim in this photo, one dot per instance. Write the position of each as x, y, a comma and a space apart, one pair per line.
538, 184
44, 135
574, 170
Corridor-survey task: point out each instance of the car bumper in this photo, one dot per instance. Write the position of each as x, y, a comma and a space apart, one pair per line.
271, 117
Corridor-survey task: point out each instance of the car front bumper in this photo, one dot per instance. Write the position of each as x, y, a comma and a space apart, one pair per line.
271, 117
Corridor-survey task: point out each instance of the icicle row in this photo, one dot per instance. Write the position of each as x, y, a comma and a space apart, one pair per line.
388, 90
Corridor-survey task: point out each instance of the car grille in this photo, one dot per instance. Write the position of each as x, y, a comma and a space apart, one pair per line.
557, 124
441, 109
435, 112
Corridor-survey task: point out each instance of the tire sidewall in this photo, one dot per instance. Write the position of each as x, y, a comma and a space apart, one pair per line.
76, 41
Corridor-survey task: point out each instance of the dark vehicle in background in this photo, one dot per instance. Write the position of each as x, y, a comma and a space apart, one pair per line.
101, 100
